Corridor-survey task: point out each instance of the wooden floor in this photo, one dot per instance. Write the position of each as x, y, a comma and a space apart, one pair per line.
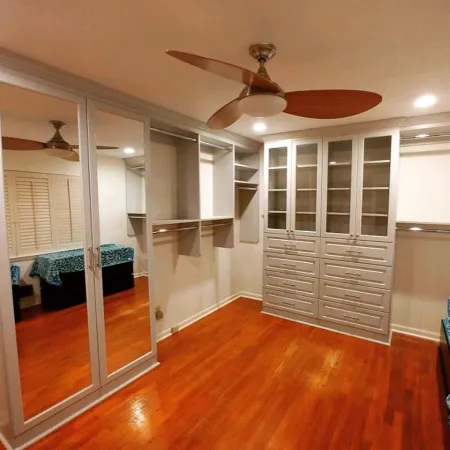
54, 346
242, 380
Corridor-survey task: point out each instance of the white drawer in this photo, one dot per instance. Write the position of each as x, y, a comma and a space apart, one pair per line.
368, 252
365, 319
289, 302
294, 265
365, 297
292, 284
360, 274
300, 246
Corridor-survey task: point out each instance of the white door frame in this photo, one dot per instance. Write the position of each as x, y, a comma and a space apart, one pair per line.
9, 339
106, 378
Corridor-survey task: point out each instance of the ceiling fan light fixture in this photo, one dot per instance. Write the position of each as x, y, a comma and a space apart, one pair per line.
262, 105
259, 127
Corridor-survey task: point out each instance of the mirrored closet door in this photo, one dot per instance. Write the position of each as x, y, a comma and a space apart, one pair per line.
46, 210
121, 240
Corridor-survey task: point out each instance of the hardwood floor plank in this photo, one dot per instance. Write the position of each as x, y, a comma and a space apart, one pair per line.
238, 379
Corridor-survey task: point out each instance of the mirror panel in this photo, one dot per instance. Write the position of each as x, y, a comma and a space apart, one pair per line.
44, 210
121, 193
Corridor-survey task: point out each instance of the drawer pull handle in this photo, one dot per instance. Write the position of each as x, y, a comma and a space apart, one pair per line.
287, 304
353, 274
289, 284
289, 265
351, 317
346, 294
289, 246
356, 252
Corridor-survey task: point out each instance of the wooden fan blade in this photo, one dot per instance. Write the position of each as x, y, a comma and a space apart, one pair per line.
225, 116
99, 147
11, 143
227, 70
330, 104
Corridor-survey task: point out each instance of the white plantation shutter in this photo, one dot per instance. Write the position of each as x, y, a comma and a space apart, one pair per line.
33, 214
9, 224
66, 207
76, 209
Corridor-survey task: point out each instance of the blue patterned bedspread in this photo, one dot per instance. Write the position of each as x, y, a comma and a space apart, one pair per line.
48, 267
446, 322
15, 274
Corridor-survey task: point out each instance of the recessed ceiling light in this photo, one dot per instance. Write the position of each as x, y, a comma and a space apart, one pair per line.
129, 150
422, 136
259, 127
425, 101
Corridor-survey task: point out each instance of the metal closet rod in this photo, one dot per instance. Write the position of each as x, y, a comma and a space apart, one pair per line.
187, 138
217, 225
423, 230
163, 230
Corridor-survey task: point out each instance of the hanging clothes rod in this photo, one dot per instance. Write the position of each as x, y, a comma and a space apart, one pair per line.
423, 230
187, 138
164, 230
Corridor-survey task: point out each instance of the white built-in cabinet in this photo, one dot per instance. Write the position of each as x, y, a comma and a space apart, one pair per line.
329, 219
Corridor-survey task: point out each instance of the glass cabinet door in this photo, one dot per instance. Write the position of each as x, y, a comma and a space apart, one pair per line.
340, 170
278, 186
306, 195
374, 186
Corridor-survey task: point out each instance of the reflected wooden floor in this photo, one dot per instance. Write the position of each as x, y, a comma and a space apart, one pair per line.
242, 380
54, 346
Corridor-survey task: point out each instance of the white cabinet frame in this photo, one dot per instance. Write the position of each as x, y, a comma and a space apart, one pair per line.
354, 176
393, 177
293, 186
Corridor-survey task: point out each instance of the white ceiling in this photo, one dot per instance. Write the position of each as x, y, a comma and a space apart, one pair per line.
399, 48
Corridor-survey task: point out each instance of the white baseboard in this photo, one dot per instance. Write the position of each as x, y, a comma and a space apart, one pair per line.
140, 274
250, 295
416, 332
196, 317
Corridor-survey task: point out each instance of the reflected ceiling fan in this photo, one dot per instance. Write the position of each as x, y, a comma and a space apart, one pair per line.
56, 146
262, 97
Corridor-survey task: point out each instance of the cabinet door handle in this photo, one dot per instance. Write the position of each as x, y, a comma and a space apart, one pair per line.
353, 274
346, 294
351, 317
289, 265
98, 258
90, 258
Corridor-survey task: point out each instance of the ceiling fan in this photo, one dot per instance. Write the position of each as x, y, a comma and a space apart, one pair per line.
57, 145
262, 97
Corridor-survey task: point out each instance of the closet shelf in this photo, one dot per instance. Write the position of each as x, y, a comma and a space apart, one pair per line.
174, 230
306, 189
139, 216
239, 183
212, 219
338, 214
306, 166
373, 215
245, 167
380, 161
277, 212
278, 168
338, 189
306, 212
277, 190
376, 188
339, 164
172, 221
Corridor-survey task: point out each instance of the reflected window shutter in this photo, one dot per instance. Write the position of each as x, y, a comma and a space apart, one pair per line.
61, 210
9, 224
76, 210
33, 214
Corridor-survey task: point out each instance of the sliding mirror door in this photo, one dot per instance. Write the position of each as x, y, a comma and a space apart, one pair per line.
119, 173
45, 203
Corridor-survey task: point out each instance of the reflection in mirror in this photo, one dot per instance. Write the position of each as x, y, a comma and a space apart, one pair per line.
43, 201
121, 193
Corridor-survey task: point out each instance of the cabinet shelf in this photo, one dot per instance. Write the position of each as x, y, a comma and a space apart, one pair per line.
376, 188
172, 221
277, 212
338, 189
306, 166
278, 168
306, 189
245, 167
277, 190
239, 183
373, 215
380, 161
306, 212
212, 219
338, 214
339, 164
